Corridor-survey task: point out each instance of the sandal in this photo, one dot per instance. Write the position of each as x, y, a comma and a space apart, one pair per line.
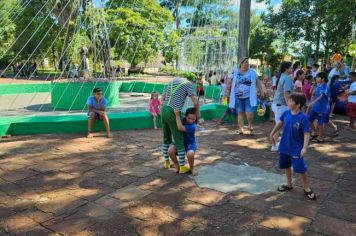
251, 131
320, 140
336, 132
239, 132
284, 188
310, 195
313, 137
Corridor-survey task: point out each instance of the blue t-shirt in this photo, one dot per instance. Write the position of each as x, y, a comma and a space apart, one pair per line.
294, 127
243, 83
189, 134
334, 90
92, 102
322, 106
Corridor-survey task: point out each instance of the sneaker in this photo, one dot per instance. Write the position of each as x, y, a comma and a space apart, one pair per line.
274, 148
183, 169
166, 164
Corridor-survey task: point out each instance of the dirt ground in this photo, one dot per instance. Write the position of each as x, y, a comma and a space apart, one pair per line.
66, 184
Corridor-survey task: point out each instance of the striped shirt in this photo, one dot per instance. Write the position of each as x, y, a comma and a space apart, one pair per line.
180, 94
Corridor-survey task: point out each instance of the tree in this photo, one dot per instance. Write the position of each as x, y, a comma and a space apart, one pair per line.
7, 30
244, 28
138, 29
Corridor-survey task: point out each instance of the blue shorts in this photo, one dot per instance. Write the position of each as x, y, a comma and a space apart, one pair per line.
243, 105
323, 118
298, 163
188, 147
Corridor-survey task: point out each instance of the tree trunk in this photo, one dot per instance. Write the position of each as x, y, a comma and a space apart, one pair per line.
317, 51
177, 28
244, 28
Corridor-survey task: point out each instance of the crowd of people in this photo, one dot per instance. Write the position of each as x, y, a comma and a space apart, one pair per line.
25, 69
303, 102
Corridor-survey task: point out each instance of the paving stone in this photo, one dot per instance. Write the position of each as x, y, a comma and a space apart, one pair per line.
48, 166
263, 231
62, 203
130, 193
77, 168
112, 204
96, 211
38, 216
333, 226
346, 211
346, 185
18, 224
288, 223
206, 196
177, 227
13, 176
342, 196
297, 207
140, 171
151, 183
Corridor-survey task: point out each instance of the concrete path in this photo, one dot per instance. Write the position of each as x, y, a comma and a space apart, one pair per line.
66, 184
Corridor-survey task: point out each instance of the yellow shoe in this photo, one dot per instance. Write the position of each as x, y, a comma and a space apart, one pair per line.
166, 164
183, 169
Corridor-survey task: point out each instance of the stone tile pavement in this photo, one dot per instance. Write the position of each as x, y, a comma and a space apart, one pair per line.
68, 185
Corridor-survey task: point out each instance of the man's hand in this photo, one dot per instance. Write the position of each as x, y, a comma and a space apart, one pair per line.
177, 112
303, 152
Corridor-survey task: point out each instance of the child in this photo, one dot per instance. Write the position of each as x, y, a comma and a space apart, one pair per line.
188, 126
351, 103
308, 84
294, 143
200, 87
274, 81
222, 91
97, 104
335, 90
154, 107
319, 107
298, 81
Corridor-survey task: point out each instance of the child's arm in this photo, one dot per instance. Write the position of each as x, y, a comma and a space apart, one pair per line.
276, 128
306, 143
179, 122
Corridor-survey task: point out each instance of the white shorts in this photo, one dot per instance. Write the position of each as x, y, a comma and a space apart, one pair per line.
278, 111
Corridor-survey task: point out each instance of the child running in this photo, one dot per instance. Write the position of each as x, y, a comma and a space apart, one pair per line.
188, 126
294, 143
298, 81
319, 108
154, 107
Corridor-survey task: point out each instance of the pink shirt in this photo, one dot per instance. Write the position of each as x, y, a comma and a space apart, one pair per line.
306, 91
154, 107
298, 85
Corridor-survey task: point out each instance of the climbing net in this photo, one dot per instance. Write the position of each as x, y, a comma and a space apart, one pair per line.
86, 57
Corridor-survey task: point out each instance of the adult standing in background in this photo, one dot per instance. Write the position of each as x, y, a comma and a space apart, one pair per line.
243, 96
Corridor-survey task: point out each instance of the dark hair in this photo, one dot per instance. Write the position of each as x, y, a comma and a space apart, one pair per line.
295, 65
222, 80
332, 81
299, 73
309, 77
284, 66
190, 111
323, 75
316, 65
353, 74
298, 98
97, 90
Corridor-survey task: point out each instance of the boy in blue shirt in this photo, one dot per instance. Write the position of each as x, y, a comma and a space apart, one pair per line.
96, 105
294, 143
188, 126
319, 107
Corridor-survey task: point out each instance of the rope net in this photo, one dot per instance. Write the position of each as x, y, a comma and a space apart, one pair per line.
55, 52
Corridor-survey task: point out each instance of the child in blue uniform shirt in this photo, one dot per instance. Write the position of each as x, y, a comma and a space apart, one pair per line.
294, 143
188, 126
319, 107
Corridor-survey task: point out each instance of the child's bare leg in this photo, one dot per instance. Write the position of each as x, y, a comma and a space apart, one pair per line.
241, 117
107, 125
172, 154
155, 121
313, 128
235, 122
303, 178
321, 132
289, 176
222, 119
91, 120
190, 156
